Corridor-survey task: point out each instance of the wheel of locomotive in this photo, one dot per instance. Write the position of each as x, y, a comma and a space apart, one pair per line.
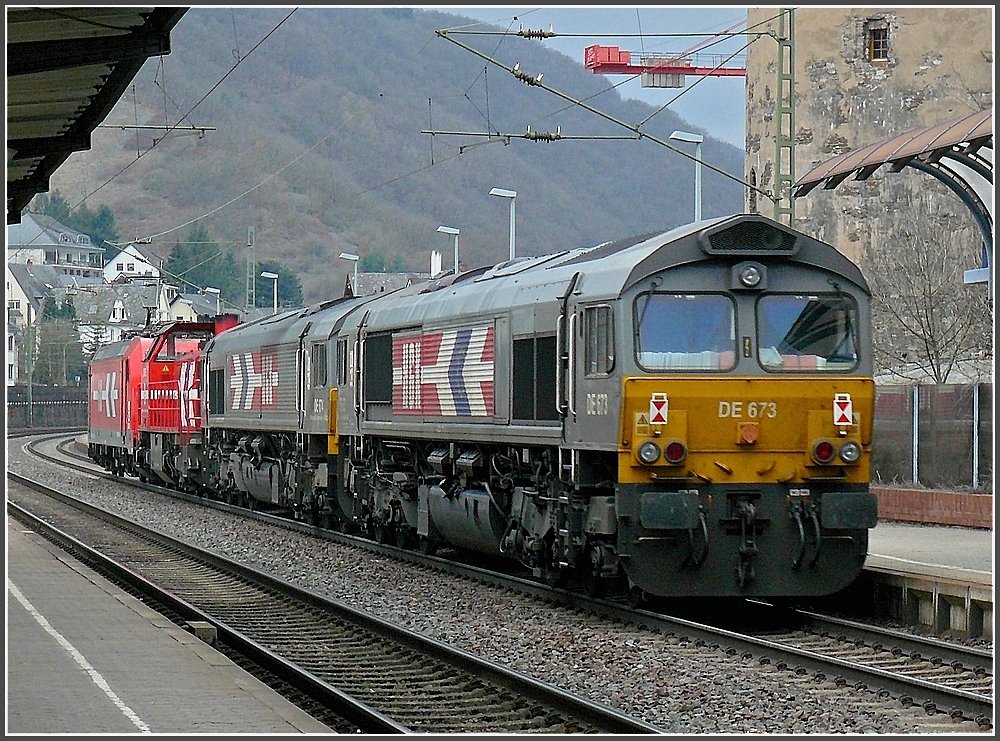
552, 572
555, 576
428, 546
636, 597
406, 537
313, 516
594, 585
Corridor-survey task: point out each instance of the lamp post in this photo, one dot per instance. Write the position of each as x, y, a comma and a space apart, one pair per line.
452, 230
274, 279
696, 139
215, 292
511, 194
29, 361
353, 258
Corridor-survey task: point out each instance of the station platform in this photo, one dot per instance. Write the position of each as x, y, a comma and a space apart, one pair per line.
85, 657
915, 547
935, 577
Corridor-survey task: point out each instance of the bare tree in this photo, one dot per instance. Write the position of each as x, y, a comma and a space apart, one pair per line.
926, 319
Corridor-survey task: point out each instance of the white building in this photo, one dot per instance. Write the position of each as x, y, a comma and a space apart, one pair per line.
14, 341
27, 286
193, 307
41, 240
133, 261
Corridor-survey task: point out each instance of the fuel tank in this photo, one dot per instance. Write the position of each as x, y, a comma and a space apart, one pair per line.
467, 518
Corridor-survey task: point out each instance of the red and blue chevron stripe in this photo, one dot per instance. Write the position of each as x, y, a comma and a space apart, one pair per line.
447, 373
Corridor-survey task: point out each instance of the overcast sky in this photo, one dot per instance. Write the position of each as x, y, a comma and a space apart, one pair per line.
716, 105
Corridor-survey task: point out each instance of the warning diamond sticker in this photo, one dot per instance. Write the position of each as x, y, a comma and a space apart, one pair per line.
842, 411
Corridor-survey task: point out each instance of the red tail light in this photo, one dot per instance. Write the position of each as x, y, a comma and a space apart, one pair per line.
675, 452
823, 451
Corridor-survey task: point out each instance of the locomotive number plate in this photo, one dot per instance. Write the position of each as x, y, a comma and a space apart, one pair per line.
597, 404
748, 409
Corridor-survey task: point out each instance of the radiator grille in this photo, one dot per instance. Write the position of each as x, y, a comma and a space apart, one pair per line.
750, 238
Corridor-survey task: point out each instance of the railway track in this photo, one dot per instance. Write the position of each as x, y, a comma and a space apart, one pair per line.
945, 679
381, 677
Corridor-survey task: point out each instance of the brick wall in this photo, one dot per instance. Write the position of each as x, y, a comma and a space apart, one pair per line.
934, 507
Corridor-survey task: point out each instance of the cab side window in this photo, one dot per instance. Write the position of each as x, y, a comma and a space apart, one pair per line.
317, 365
342, 361
598, 340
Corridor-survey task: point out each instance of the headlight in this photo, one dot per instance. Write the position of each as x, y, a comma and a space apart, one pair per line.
750, 276
850, 452
649, 453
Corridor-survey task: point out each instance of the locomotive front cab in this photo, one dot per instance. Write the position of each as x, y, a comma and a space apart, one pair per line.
746, 427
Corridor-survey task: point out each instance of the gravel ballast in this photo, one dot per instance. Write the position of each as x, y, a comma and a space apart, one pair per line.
663, 679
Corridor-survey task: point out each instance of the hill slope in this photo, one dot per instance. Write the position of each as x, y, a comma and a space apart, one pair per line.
318, 145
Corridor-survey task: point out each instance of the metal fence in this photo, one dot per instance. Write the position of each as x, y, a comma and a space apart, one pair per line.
51, 406
934, 436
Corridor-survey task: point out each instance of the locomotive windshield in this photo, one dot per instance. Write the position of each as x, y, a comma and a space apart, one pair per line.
807, 333
685, 331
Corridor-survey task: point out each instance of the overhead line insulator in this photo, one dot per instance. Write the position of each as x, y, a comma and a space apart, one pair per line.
539, 34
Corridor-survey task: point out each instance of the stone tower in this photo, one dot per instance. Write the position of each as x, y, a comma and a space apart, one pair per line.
863, 75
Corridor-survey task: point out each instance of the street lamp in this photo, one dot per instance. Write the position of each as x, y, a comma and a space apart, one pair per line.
696, 139
353, 258
511, 194
216, 292
454, 231
274, 278
29, 361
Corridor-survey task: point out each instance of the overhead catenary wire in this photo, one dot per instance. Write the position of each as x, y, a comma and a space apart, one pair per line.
461, 150
189, 112
716, 38
536, 82
166, 133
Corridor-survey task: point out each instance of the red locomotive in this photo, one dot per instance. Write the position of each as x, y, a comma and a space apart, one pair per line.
145, 404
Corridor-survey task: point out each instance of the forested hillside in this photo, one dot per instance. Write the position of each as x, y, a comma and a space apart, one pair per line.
315, 140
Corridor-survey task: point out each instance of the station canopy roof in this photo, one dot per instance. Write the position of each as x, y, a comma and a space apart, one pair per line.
965, 136
66, 69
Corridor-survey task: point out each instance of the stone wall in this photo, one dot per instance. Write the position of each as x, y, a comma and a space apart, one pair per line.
939, 67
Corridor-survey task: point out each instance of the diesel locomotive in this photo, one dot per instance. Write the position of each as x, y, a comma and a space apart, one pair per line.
683, 414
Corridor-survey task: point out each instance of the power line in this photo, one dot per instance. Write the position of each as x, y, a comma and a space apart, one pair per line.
191, 110
537, 82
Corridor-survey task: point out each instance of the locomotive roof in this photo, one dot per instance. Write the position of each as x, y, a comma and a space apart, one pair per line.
602, 272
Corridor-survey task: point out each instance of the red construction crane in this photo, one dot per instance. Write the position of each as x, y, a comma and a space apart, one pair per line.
664, 69
659, 69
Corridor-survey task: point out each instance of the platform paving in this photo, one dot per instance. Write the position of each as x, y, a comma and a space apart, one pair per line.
916, 546
85, 657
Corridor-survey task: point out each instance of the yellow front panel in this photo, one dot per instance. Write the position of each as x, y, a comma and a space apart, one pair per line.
743, 430
333, 440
